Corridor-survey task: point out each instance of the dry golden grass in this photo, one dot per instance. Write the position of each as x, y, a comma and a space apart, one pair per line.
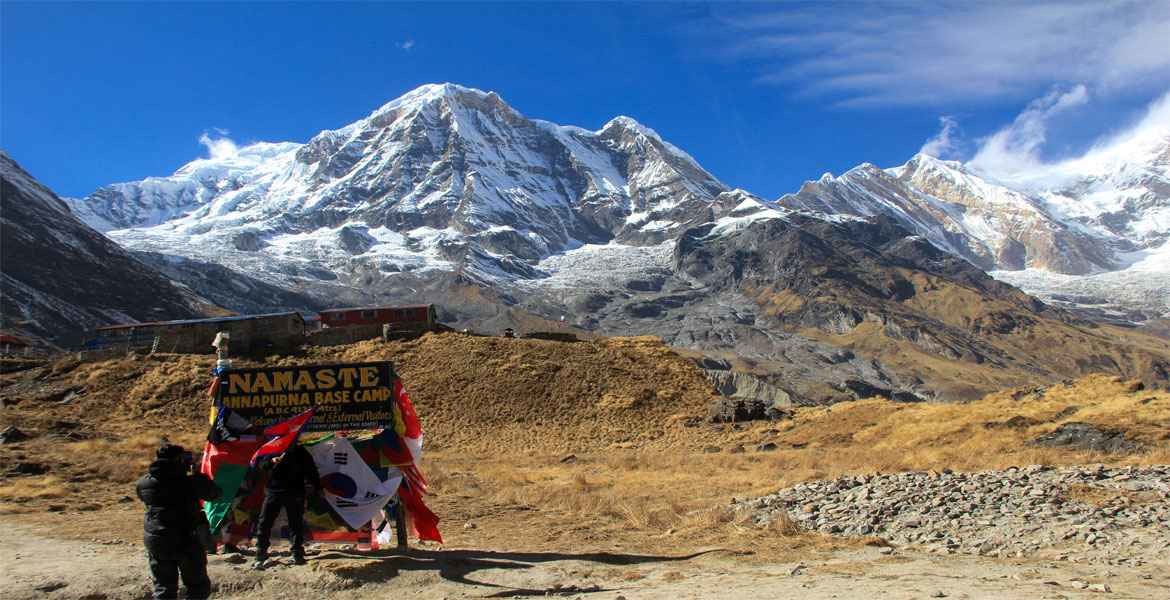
784, 525
643, 499
38, 487
639, 500
650, 497
120, 459
994, 432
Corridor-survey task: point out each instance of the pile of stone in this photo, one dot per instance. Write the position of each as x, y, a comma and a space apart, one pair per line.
1115, 515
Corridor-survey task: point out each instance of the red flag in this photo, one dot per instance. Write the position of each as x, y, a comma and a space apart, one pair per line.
235, 452
286, 433
226, 464
413, 428
423, 522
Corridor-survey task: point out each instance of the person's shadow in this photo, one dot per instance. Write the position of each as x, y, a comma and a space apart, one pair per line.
456, 565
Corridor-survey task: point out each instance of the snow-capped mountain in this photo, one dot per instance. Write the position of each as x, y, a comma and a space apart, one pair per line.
449, 195
1121, 190
1071, 229
451, 179
156, 200
443, 177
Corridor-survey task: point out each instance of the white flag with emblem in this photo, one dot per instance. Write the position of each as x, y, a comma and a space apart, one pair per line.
351, 487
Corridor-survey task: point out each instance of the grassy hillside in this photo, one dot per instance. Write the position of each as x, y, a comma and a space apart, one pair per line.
594, 442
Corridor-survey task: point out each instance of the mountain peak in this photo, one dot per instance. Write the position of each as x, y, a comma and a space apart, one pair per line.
865, 169
630, 124
934, 161
921, 164
433, 93
635, 130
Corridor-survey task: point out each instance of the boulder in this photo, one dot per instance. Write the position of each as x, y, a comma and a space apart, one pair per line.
1086, 436
746, 387
12, 435
733, 410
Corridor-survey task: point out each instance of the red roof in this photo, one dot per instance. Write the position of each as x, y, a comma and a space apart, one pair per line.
15, 340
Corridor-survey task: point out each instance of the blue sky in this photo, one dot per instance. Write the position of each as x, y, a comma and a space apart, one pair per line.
764, 96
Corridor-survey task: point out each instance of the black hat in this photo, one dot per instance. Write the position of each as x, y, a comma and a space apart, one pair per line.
169, 452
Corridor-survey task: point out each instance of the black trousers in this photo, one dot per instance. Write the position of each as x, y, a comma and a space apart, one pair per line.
168, 563
294, 509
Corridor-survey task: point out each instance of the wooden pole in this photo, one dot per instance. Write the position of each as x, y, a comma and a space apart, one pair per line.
400, 525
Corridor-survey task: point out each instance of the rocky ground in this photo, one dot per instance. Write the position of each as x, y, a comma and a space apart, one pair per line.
1117, 516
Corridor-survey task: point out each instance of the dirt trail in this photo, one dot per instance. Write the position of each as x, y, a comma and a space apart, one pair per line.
43, 567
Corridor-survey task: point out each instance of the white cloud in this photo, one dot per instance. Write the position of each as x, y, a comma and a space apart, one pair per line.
219, 147
406, 45
1151, 129
945, 143
1013, 152
943, 52
1016, 148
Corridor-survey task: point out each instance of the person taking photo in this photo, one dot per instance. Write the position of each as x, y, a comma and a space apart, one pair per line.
171, 491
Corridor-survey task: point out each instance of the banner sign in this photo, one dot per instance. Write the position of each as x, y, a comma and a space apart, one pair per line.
347, 396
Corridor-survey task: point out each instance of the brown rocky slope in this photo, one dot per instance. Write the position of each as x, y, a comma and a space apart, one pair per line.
61, 278
869, 287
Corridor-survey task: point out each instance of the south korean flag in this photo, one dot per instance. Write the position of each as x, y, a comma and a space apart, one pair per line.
351, 487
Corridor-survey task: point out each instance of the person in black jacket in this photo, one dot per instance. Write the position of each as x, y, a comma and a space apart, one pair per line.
171, 493
289, 474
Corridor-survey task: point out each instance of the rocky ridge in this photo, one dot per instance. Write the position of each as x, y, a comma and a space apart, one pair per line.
1070, 232
826, 303
991, 225
60, 277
